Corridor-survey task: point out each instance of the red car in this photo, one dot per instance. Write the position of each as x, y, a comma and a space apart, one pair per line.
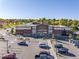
10, 56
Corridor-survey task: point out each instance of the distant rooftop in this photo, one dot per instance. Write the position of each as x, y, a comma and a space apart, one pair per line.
77, 32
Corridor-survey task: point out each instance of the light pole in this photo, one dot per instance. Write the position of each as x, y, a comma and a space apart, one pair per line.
7, 46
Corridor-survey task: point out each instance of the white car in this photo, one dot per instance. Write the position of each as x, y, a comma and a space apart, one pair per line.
44, 46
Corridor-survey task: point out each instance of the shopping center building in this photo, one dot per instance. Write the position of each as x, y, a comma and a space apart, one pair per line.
35, 30
40, 30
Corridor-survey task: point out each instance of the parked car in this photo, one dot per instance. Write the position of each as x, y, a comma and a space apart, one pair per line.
44, 46
37, 56
58, 46
10, 56
76, 44
44, 55
22, 44
62, 50
44, 52
2, 38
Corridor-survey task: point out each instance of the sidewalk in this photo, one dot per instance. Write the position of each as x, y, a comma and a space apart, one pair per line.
53, 53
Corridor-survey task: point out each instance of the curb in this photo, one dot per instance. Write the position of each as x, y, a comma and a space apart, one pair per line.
53, 53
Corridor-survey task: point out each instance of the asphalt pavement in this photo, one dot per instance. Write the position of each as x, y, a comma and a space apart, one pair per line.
73, 52
22, 52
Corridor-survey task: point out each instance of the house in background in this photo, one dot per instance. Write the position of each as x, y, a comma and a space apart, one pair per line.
2, 23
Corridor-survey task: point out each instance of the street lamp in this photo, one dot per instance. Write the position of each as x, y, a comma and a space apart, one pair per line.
7, 46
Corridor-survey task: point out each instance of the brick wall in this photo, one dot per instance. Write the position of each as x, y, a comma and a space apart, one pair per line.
24, 31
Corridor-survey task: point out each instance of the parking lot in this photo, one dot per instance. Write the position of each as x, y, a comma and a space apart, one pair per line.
26, 52
22, 52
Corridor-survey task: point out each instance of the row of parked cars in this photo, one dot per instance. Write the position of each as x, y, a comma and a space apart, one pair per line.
61, 49
41, 45
43, 54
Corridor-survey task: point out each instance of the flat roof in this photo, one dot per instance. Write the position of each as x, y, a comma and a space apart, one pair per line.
60, 27
30, 24
23, 27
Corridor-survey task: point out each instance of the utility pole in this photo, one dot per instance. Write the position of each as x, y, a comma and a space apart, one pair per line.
7, 47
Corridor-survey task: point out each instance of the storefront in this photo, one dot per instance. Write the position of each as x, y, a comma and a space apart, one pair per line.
61, 32
35, 30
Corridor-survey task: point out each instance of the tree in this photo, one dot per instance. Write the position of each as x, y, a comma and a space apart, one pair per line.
12, 30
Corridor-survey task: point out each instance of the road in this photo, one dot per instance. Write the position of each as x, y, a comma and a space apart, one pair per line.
73, 51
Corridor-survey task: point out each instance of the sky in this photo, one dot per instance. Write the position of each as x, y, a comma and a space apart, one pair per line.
39, 9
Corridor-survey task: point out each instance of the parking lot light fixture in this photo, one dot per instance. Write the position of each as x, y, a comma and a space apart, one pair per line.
7, 46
